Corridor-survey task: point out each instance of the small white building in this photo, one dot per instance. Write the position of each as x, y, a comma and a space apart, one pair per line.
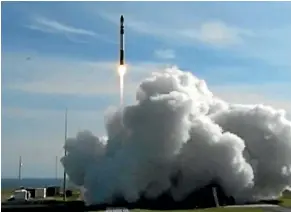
21, 195
40, 193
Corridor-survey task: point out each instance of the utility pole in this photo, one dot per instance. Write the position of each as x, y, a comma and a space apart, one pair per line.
65, 174
19, 169
56, 171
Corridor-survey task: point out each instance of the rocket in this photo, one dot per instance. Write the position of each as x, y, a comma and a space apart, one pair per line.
121, 57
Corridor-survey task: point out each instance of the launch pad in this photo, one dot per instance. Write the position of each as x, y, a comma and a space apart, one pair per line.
201, 198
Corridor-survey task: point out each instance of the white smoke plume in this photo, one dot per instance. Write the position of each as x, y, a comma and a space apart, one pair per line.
177, 124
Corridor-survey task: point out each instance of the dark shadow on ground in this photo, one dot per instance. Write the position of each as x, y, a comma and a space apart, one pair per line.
201, 198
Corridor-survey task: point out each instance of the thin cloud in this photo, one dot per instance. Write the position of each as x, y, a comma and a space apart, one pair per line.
215, 33
52, 26
165, 54
74, 34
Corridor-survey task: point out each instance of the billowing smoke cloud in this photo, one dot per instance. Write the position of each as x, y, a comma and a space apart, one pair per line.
178, 127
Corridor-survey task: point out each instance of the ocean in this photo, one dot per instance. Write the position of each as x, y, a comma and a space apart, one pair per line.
30, 182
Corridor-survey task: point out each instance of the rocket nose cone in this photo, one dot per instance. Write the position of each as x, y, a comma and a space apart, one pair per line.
121, 18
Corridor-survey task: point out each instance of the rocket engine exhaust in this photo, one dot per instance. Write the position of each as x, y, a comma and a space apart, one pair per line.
121, 72
121, 68
177, 138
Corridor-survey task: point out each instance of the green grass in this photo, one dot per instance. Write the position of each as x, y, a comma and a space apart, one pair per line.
286, 199
210, 210
5, 194
232, 209
286, 202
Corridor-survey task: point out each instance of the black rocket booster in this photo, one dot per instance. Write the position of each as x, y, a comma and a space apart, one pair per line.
121, 58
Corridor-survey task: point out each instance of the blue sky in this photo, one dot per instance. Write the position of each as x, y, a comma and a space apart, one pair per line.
242, 50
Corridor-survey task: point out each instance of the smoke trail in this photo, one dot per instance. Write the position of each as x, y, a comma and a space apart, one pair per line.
121, 80
178, 126
121, 72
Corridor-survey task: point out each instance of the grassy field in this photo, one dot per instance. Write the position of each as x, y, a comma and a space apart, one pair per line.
286, 201
5, 194
210, 210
